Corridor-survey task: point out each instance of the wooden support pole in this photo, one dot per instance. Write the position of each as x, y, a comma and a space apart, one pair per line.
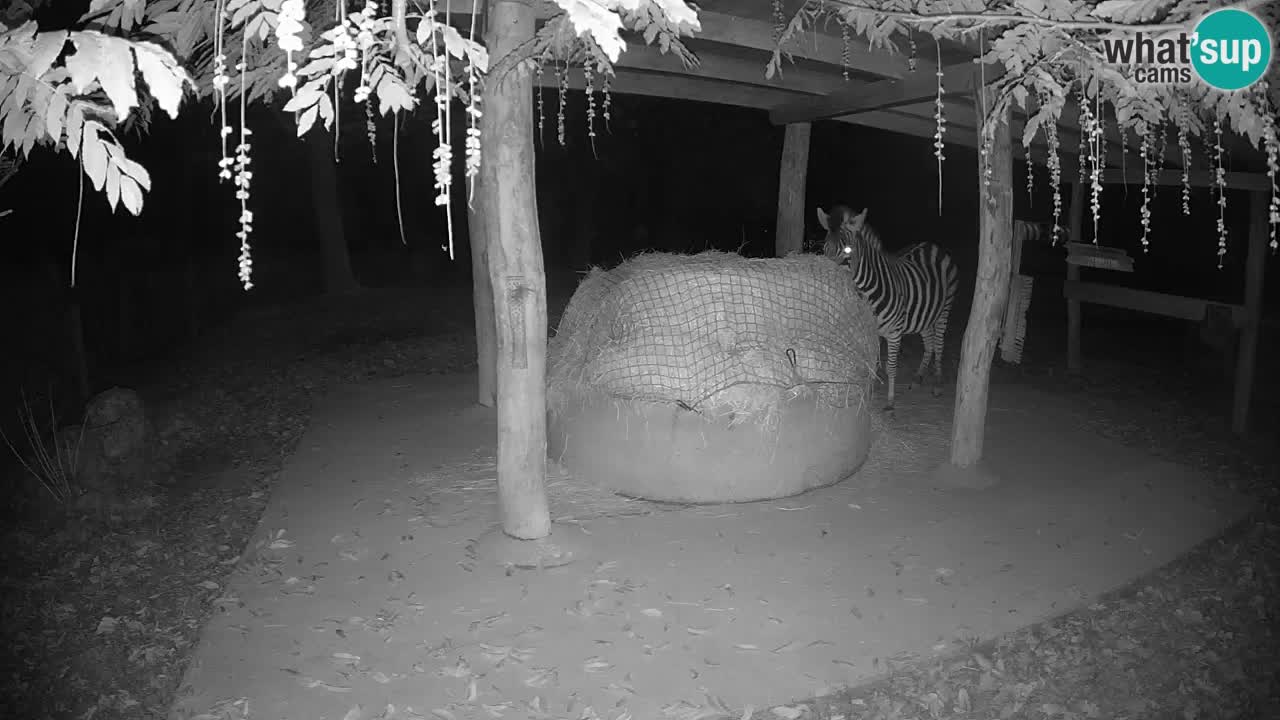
1253, 276
995, 243
793, 173
516, 274
335, 253
1075, 233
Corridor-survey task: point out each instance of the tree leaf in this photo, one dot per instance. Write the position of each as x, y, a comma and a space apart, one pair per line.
115, 75
131, 195
307, 96
55, 113
326, 111
94, 154
393, 94
307, 119
166, 79
113, 185
84, 63
46, 49
134, 170
75, 128
1130, 11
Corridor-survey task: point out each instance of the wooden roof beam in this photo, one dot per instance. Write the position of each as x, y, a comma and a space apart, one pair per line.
714, 66
959, 80
650, 84
814, 45
744, 32
905, 121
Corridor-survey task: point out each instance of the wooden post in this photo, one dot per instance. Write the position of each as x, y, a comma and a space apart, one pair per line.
1075, 233
1253, 276
516, 273
792, 174
335, 255
995, 243
482, 299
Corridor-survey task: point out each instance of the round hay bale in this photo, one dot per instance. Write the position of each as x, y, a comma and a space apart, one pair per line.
663, 452
713, 377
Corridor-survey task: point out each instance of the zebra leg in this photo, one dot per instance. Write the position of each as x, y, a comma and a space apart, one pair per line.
937, 365
926, 339
891, 366
939, 337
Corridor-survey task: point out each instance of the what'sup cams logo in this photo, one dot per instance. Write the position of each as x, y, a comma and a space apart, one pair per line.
1230, 49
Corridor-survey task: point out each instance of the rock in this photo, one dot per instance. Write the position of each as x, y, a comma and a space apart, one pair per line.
118, 443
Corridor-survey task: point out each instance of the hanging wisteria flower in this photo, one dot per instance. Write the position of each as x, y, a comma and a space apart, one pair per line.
1093, 129
1054, 161
342, 36
1184, 146
443, 162
607, 100
1146, 191
1273, 170
541, 102
243, 179
941, 128
844, 50
288, 36
364, 40
589, 86
563, 78
1220, 181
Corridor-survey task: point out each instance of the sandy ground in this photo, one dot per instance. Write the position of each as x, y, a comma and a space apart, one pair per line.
360, 595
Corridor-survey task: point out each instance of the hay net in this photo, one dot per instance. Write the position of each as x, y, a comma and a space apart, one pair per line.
713, 330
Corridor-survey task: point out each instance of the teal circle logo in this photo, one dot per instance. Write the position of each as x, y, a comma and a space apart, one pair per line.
1232, 49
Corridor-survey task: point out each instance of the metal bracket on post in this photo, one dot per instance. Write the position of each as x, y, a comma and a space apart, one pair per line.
517, 295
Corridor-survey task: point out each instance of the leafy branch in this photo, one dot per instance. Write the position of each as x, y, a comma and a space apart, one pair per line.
1129, 15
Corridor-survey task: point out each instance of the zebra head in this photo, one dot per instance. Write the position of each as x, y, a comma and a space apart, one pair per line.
844, 233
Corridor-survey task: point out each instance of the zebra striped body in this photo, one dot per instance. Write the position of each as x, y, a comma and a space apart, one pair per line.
910, 292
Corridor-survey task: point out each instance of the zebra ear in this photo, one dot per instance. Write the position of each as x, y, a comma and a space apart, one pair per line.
822, 220
861, 217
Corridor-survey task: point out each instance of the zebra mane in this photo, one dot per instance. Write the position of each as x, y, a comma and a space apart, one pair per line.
868, 235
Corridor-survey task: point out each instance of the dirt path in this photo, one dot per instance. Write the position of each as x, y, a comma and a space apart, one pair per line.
359, 589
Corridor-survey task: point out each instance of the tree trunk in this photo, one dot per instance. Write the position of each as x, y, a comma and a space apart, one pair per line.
792, 175
517, 276
1255, 269
482, 299
335, 257
1075, 234
995, 214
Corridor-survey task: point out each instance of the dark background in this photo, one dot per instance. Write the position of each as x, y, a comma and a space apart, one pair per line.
663, 174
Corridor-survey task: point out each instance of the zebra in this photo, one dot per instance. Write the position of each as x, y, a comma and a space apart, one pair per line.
910, 292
